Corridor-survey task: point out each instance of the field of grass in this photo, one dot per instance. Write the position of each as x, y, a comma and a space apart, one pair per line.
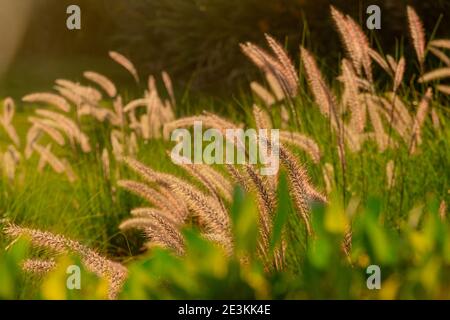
386, 194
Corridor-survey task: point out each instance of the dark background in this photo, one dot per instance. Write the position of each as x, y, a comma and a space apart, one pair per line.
197, 40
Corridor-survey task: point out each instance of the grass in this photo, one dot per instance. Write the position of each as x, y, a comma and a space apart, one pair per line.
398, 228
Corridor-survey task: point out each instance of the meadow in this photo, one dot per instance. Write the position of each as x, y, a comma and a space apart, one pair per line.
364, 180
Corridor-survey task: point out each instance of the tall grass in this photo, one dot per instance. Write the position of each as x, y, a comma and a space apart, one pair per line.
73, 170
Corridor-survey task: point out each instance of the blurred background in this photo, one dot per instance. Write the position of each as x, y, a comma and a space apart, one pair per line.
196, 41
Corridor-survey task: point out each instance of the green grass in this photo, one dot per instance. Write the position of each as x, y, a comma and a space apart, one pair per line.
91, 209
396, 228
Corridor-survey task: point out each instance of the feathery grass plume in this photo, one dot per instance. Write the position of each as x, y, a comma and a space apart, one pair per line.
435, 119
133, 147
144, 102
441, 55
399, 73
328, 177
377, 124
347, 242
158, 230
85, 110
392, 62
118, 109
12, 133
326, 100
104, 82
297, 177
154, 116
435, 75
50, 158
39, 238
289, 70
69, 95
440, 43
151, 83
221, 240
318, 87
266, 194
157, 113
17, 156
209, 212
303, 142
154, 233
87, 94
266, 202
9, 109
215, 182
33, 135
358, 111
302, 191
126, 63
443, 210
133, 122
94, 262
393, 116
68, 126
207, 121
262, 93
341, 157
166, 112
400, 111
284, 114
49, 98
238, 177
255, 54
146, 192
207, 208
48, 122
38, 266
360, 40
364, 84
380, 60
169, 87
348, 37
417, 34
324, 95
270, 64
353, 140
419, 120
249, 186
443, 88
146, 129
147, 212
262, 118
100, 114
144, 172
390, 175
219, 182
275, 86
180, 210
196, 172
222, 122
9, 165
50, 131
